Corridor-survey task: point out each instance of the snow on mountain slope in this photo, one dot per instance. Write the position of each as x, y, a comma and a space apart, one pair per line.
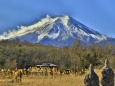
57, 31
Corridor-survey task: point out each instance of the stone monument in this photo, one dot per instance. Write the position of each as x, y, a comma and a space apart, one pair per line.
91, 79
107, 75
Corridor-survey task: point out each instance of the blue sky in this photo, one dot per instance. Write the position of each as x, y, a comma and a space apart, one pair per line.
96, 14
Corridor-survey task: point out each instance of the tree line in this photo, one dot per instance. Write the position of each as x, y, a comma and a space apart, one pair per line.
77, 57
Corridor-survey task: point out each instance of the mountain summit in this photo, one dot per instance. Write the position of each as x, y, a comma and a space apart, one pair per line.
57, 31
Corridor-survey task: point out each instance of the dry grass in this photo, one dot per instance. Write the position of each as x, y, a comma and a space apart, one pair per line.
63, 80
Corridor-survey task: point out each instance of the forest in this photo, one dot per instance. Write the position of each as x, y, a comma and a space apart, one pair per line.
77, 57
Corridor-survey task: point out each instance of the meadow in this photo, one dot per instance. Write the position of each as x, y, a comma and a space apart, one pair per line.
57, 80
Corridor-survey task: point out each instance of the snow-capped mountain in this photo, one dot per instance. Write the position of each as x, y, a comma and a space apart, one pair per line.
57, 31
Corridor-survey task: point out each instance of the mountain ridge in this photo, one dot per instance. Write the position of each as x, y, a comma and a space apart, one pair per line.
57, 31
